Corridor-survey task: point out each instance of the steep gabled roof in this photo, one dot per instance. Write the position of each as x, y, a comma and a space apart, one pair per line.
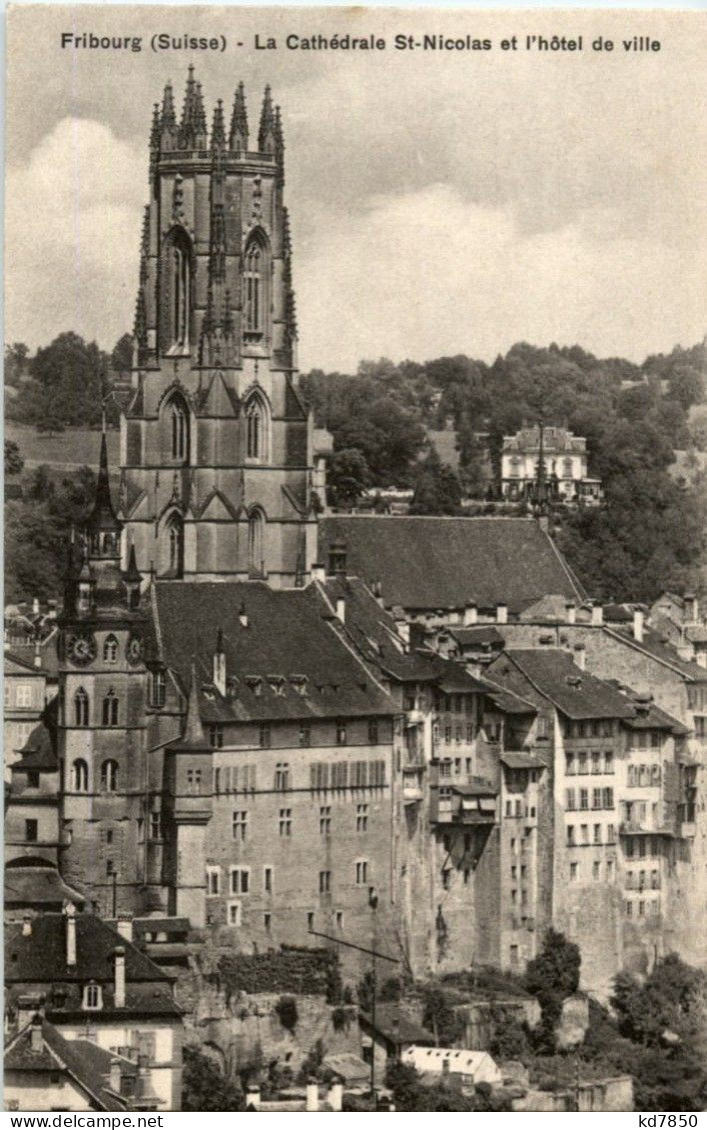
653, 644
41, 955
85, 1062
576, 693
429, 563
286, 646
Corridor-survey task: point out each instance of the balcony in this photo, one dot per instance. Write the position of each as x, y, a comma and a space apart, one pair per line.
637, 828
414, 717
412, 793
463, 805
687, 830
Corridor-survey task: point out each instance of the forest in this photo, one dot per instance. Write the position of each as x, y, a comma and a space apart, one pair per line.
648, 536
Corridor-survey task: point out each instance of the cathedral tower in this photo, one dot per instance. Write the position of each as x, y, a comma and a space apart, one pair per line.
216, 443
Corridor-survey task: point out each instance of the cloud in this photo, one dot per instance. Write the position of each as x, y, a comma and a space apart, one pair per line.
427, 273
72, 235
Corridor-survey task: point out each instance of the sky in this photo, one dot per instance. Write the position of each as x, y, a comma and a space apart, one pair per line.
441, 202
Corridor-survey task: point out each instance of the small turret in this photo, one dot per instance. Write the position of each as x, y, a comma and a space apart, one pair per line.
102, 527
267, 140
279, 147
238, 134
218, 129
192, 113
132, 579
192, 732
156, 128
168, 121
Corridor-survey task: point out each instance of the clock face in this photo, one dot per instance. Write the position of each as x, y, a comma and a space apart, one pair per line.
81, 648
133, 650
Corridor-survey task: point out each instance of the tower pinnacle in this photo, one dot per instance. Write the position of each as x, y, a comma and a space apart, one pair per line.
266, 133
238, 134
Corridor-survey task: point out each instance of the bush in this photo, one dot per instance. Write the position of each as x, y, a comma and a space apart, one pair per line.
286, 1009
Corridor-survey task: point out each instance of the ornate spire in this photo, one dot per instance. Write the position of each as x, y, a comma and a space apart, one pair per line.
103, 515
279, 147
199, 111
140, 322
169, 118
266, 133
132, 573
144, 243
218, 129
238, 134
155, 130
188, 125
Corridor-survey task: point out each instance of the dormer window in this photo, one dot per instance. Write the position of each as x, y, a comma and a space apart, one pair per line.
92, 996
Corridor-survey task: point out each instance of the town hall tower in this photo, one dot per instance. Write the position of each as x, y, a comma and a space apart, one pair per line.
216, 443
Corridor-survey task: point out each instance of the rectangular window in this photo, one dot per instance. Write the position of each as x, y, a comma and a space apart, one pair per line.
239, 825
596, 762
23, 695
216, 735
324, 882
583, 763
585, 833
596, 798
447, 734
266, 921
155, 825
217, 781
310, 920
584, 799
597, 833
267, 880
233, 914
31, 831
282, 777
608, 761
361, 817
608, 798
570, 766
325, 820
305, 734
570, 835
32, 778
339, 920
285, 822
341, 733
609, 870
264, 735
574, 872
213, 881
570, 803
361, 872
373, 731
596, 871
240, 880
194, 780
110, 869
610, 834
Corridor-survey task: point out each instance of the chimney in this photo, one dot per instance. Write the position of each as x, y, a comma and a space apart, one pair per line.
690, 612
252, 1098
318, 572
638, 625
312, 1100
378, 592
219, 678
36, 1041
26, 926
403, 629
35, 606
335, 1097
341, 610
119, 977
70, 913
501, 614
571, 612
243, 616
37, 656
115, 1076
124, 926
597, 615
471, 614
580, 656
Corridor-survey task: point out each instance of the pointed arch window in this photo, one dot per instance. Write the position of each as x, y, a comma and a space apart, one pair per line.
110, 649
257, 419
175, 546
180, 431
110, 709
81, 708
255, 287
109, 776
177, 300
256, 542
79, 776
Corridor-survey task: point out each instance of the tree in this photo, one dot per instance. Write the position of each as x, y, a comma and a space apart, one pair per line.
437, 489
13, 460
673, 998
205, 1087
121, 357
15, 362
69, 383
347, 476
553, 976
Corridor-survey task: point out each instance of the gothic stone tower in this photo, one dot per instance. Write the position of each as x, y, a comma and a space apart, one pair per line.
216, 444
101, 720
